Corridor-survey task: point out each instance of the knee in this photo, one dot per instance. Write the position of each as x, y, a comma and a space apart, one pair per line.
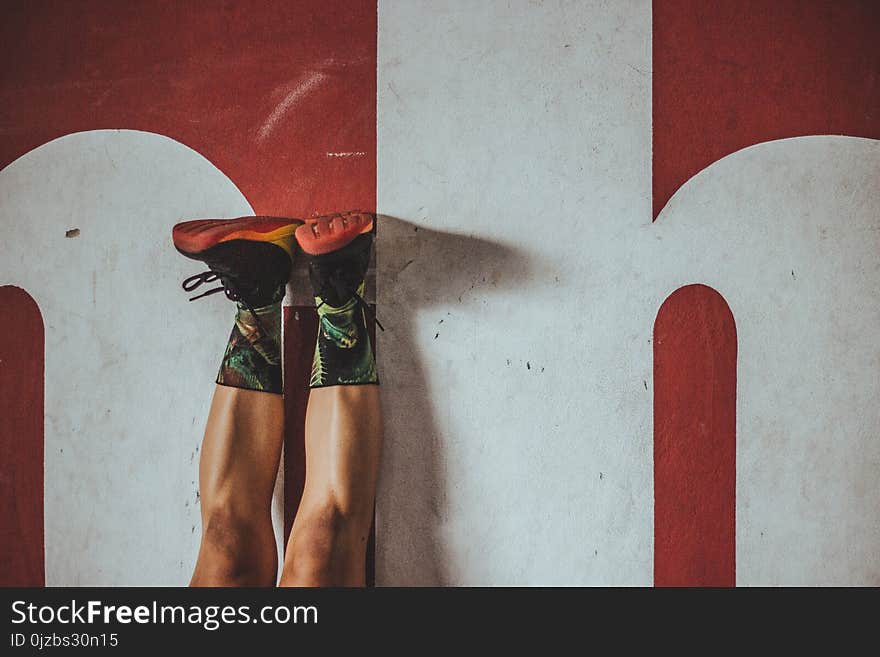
236, 551
328, 540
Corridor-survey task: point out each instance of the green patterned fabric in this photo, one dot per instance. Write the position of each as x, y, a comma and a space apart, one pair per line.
343, 353
253, 354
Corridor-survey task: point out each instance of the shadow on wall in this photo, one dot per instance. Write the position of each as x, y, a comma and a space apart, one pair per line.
420, 269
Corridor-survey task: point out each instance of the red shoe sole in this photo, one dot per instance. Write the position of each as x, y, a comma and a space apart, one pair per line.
199, 235
320, 235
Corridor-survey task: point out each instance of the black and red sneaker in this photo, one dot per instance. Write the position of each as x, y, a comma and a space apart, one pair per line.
337, 248
251, 257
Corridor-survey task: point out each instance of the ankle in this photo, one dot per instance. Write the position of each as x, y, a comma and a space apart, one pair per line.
252, 359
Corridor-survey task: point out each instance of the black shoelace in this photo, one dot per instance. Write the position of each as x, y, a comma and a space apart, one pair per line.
227, 286
336, 281
191, 283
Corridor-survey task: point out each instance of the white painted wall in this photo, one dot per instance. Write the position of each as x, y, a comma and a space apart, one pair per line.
517, 137
129, 361
526, 127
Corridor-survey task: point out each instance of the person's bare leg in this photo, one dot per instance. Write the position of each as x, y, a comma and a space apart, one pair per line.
237, 469
327, 545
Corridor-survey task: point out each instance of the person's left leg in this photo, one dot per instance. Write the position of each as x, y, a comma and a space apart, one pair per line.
251, 257
237, 468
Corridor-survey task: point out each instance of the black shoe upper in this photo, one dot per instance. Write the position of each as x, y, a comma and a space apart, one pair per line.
336, 276
254, 273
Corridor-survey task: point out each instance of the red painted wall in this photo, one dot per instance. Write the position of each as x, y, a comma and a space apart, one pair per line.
290, 117
731, 73
727, 75
695, 440
265, 91
22, 553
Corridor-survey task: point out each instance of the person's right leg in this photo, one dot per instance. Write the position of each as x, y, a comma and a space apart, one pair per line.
327, 545
328, 541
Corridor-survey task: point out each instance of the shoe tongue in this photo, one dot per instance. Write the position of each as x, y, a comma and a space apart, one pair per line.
338, 291
258, 297
336, 276
250, 293
252, 281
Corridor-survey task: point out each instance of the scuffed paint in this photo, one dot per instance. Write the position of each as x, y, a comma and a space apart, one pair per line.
300, 92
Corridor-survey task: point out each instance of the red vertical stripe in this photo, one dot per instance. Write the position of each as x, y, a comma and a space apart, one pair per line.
731, 73
695, 440
300, 332
22, 560
371, 541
